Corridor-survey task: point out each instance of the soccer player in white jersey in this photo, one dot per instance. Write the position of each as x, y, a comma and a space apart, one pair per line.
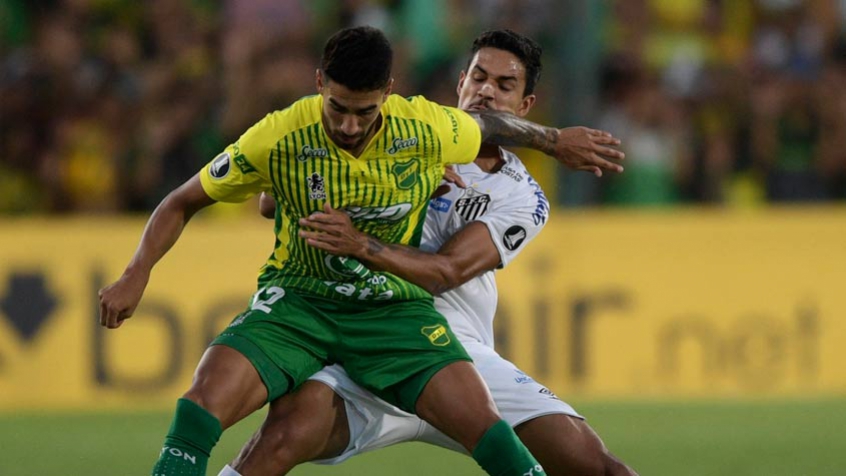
468, 233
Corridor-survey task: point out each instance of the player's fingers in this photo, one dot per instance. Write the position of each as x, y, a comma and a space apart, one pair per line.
605, 164
605, 140
103, 312
609, 152
598, 132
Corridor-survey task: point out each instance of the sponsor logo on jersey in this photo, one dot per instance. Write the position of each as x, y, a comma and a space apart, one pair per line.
514, 237
220, 166
383, 214
347, 267
541, 212
242, 164
510, 172
472, 204
316, 187
437, 335
534, 470
454, 122
307, 152
406, 174
440, 204
400, 144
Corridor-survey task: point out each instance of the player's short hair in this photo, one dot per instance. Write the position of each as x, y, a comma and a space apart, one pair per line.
527, 50
358, 58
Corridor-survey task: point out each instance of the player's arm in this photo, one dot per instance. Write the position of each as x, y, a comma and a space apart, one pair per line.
579, 148
119, 300
467, 254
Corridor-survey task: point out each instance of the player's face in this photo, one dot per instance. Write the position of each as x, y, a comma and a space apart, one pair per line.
494, 80
350, 117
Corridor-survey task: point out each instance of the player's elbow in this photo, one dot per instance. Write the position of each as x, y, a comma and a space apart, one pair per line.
448, 278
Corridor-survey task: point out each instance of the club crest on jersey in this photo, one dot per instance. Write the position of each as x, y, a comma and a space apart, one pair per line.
307, 152
220, 166
406, 174
437, 335
400, 144
472, 204
317, 190
514, 237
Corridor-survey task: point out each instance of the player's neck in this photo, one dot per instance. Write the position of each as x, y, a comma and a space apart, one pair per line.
490, 159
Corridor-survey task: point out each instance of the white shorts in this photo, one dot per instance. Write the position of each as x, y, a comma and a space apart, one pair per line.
375, 423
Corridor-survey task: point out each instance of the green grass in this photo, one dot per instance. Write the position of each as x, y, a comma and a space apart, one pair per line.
691, 439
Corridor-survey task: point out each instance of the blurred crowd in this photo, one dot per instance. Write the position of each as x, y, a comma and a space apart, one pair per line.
106, 105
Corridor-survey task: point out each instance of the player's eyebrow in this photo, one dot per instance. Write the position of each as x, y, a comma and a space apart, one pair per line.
340, 107
498, 78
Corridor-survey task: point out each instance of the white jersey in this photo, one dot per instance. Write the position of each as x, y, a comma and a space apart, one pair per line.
513, 207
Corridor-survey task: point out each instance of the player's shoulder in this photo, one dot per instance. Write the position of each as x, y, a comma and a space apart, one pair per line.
302, 112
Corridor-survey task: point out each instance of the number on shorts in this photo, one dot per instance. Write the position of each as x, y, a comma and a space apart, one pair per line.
276, 293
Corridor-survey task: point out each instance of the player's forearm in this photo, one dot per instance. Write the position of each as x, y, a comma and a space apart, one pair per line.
430, 271
504, 129
162, 231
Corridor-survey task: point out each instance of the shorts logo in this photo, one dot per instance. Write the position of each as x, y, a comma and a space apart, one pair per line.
514, 237
317, 189
220, 166
406, 174
472, 204
437, 335
548, 392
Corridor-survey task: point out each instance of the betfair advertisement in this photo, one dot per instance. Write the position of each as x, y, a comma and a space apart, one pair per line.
613, 305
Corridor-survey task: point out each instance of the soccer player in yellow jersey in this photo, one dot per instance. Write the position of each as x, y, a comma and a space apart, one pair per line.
357, 148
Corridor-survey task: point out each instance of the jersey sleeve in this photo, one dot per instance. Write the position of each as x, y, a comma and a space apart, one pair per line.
459, 133
241, 170
513, 224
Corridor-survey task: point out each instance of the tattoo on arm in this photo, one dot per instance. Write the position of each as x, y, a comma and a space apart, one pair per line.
502, 128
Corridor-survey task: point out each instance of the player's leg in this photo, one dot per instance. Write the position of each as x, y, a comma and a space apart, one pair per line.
225, 389
406, 354
308, 424
262, 355
552, 430
567, 445
456, 401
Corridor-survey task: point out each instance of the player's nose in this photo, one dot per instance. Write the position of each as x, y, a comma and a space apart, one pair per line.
349, 125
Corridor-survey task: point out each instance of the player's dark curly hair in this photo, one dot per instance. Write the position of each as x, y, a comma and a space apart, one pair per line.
523, 47
358, 58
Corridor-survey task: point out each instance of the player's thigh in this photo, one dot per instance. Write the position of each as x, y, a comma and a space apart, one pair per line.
284, 337
517, 395
394, 349
372, 423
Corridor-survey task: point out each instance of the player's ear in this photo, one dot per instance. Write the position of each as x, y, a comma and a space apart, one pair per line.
526, 104
388, 89
318, 80
461, 77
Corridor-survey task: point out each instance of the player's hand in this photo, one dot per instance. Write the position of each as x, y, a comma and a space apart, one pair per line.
591, 150
119, 300
332, 231
450, 177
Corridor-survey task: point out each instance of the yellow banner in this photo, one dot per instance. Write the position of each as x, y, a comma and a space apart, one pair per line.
697, 303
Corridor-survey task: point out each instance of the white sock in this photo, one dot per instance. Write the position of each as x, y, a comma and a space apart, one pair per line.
228, 471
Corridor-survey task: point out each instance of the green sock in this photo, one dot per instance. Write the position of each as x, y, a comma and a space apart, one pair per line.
501, 453
193, 433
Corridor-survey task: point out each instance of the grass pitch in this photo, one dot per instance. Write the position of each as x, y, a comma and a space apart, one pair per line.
801, 438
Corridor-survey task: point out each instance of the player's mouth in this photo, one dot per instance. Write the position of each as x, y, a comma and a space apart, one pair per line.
481, 106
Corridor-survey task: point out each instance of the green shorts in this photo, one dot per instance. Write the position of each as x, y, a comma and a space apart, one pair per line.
390, 348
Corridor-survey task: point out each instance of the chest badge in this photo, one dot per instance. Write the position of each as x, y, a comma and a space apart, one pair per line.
472, 204
406, 174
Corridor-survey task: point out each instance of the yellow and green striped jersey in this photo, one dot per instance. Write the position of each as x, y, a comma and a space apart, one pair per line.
385, 190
